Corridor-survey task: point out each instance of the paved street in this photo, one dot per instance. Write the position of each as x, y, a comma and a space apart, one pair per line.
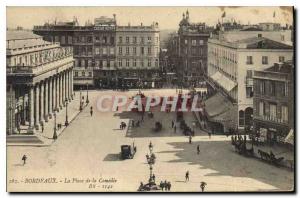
90, 147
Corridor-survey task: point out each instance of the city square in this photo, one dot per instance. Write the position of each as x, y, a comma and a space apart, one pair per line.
98, 156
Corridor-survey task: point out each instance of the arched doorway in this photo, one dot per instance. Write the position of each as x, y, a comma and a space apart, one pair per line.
248, 116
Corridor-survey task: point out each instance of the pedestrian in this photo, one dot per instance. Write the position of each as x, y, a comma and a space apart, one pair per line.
175, 129
166, 185
198, 149
187, 176
190, 139
202, 186
91, 111
169, 186
138, 123
24, 158
161, 185
172, 124
209, 134
132, 123
117, 108
42, 128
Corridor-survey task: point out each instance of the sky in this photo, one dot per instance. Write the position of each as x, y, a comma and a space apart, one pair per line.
167, 17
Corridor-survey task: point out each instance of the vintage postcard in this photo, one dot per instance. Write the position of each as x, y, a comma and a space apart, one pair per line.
150, 99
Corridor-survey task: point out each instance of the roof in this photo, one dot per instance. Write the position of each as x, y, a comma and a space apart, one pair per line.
262, 43
17, 34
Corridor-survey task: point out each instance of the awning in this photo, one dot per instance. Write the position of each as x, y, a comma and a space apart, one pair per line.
290, 137
220, 109
223, 81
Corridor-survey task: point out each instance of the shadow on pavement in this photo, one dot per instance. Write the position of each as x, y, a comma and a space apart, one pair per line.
112, 157
224, 161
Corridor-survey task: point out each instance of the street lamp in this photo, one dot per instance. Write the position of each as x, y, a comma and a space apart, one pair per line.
66, 122
87, 93
150, 147
80, 105
54, 133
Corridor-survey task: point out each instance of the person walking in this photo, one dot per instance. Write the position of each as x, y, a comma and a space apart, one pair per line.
172, 124
209, 134
169, 186
166, 185
42, 128
187, 176
190, 139
202, 186
24, 158
161, 185
91, 111
198, 150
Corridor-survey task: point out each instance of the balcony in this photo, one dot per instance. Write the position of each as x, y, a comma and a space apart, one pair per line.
249, 82
271, 119
54, 63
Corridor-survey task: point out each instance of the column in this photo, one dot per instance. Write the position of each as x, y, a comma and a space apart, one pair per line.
63, 88
31, 109
37, 105
60, 91
42, 98
54, 93
23, 120
67, 85
57, 93
50, 98
71, 83
46, 100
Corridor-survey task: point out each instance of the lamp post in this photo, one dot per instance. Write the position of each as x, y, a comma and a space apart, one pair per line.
80, 105
87, 93
66, 103
54, 133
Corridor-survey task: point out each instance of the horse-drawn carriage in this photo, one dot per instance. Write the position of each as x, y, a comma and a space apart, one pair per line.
128, 151
270, 157
241, 147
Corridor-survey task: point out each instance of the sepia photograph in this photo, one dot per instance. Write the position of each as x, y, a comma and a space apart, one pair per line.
161, 99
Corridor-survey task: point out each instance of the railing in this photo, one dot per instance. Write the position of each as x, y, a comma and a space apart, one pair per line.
40, 67
271, 119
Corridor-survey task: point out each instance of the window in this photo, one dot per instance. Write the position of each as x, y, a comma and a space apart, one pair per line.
193, 51
111, 51
142, 39
142, 50
262, 87
127, 50
134, 50
120, 62
127, 62
285, 89
82, 39
97, 50
90, 74
201, 51
156, 62
284, 113
142, 63
273, 111
104, 63
149, 50
241, 118
185, 41
89, 39
264, 60
134, 39
249, 60
281, 59
134, 62
157, 40
120, 50
149, 39
104, 39
249, 74
112, 40
70, 39
261, 108
83, 73
194, 42
104, 51
97, 38
120, 39
249, 92
76, 74
272, 88
127, 39
149, 62
201, 42
63, 40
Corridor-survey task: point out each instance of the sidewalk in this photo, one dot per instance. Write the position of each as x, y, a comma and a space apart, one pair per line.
46, 138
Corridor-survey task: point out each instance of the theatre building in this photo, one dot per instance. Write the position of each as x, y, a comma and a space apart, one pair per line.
39, 81
273, 102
